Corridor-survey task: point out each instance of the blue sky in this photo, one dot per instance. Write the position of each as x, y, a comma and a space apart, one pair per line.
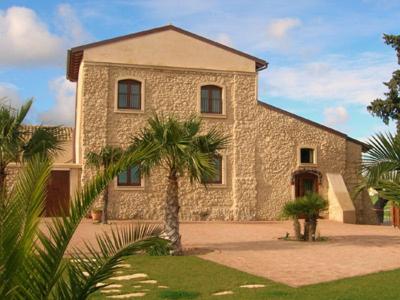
326, 59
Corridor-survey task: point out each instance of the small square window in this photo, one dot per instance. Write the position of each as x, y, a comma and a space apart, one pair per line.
307, 156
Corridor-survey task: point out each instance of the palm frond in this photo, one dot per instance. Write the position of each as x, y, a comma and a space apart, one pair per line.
180, 147
43, 141
87, 270
11, 137
19, 221
383, 158
389, 190
53, 244
105, 157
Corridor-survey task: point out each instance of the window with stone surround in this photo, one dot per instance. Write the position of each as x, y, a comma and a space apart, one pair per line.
217, 178
307, 156
130, 177
129, 94
211, 99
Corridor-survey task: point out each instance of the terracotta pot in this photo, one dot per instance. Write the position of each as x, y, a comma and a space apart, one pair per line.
96, 215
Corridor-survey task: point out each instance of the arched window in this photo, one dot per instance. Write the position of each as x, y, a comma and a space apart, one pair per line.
129, 94
211, 99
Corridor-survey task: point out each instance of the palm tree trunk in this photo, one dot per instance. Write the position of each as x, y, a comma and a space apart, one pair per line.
306, 228
104, 215
313, 228
171, 221
297, 229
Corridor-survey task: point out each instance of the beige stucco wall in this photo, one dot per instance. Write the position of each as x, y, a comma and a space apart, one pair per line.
169, 48
66, 154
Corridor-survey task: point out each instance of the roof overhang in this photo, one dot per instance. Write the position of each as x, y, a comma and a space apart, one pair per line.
75, 55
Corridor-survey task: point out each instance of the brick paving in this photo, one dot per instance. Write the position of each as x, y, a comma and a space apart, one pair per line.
254, 247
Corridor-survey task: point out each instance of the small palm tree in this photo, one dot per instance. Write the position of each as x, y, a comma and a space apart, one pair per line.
308, 207
293, 210
181, 151
102, 160
16, 144
32, 262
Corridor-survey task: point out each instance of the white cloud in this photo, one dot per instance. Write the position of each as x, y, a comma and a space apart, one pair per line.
333, 79
279, 28
26, 40
70, 26
63, 110
335, 115
9, 95
225, 39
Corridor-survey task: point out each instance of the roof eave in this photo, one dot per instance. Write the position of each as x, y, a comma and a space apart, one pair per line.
260, 64
365, 147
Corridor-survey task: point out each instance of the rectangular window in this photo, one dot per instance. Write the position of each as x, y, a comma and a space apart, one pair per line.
130, 177
129, 94
306, 156
217, 178
211, 99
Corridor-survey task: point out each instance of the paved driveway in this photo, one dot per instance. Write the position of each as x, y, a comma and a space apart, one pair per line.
254, 248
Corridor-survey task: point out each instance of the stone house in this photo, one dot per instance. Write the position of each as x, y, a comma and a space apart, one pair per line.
273, 157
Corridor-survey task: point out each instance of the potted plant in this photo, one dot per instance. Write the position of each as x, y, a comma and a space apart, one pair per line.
96, 214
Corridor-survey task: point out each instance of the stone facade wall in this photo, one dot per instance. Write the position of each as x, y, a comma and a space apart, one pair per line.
279, 138
166, 91
260, 159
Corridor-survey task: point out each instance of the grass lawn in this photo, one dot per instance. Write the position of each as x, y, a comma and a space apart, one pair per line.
189, 277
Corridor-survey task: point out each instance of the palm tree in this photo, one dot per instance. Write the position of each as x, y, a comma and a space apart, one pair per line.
17, 144
308, 207
32, 262
381, 166
102, 160
182, 151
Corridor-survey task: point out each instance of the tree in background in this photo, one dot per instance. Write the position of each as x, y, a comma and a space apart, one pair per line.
182, 151
388, 109
17, 143
101, 161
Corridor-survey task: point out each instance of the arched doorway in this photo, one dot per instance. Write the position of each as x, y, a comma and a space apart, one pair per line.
306, 181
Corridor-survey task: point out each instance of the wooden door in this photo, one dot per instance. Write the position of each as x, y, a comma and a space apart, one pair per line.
304, 183
57, 199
